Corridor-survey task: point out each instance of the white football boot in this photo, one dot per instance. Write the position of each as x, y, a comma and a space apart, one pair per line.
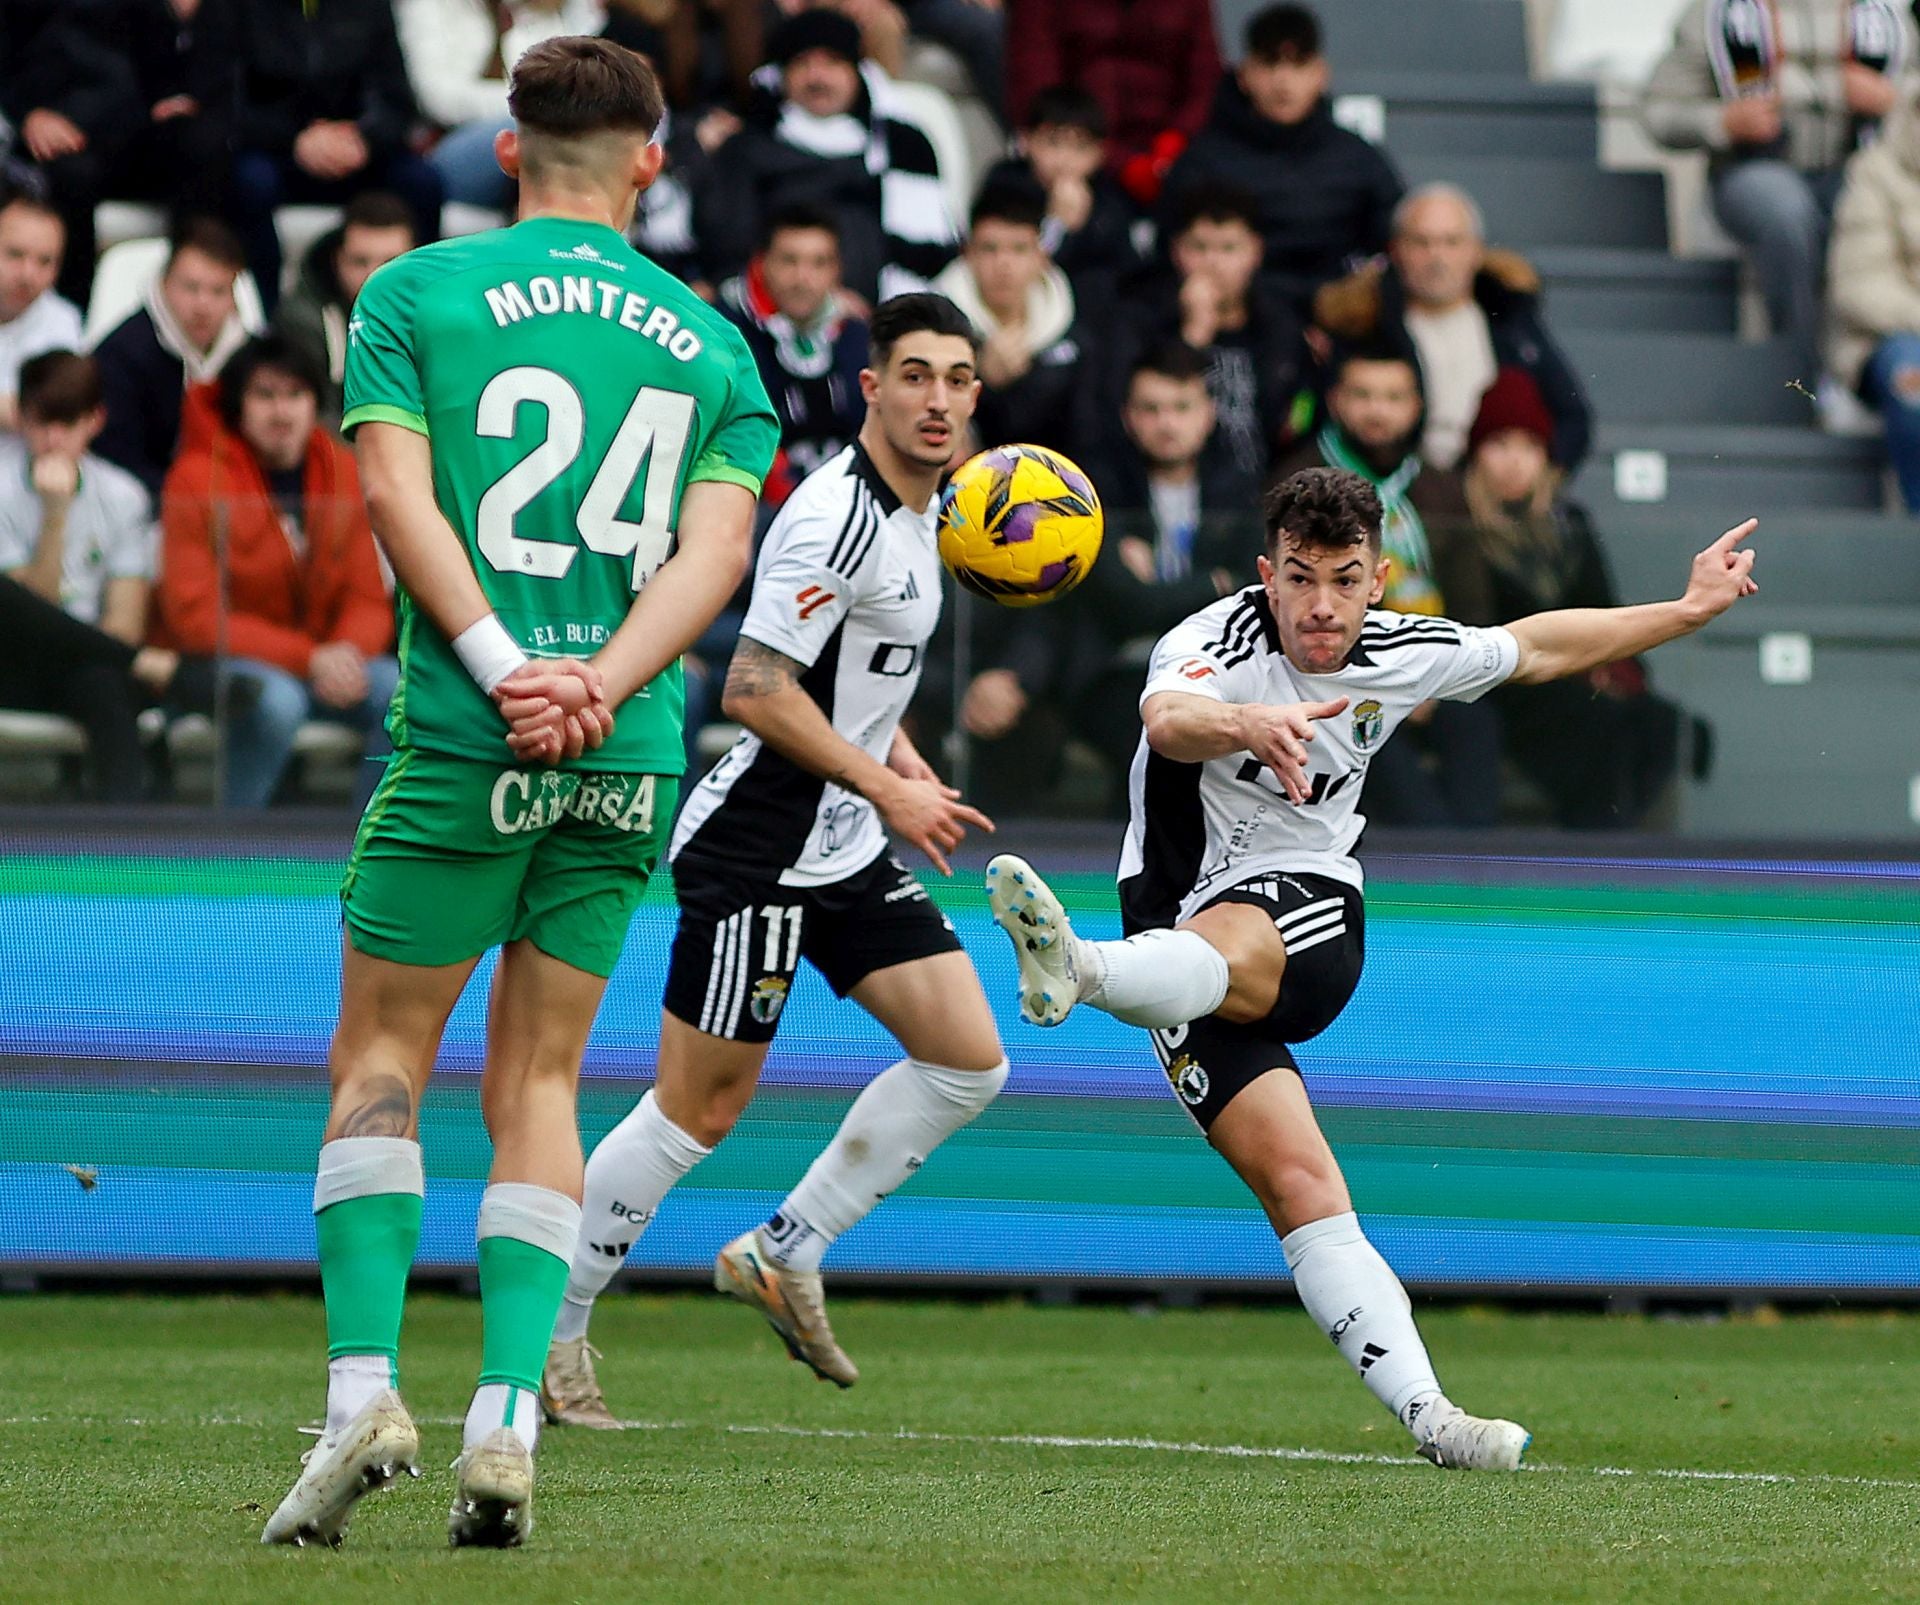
1024, 906
493, 1493
794, 1303
1456, 1441
375, 1447
569, 1391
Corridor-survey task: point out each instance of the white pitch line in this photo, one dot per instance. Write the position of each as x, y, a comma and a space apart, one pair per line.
1039, 1440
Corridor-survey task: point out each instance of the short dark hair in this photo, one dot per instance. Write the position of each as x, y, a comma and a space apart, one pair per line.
270, 350
1344, 356
211, 238
917, 313
1066, 106
376, 208
799, 215
39, 205
576, 85
1284, 32
1325, 508
60, 387
1010, 200
1171, 359
1214, 203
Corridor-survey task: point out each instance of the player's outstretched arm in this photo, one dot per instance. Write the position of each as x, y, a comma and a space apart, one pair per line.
1192, 729
764, 693
686, 592
1555, 645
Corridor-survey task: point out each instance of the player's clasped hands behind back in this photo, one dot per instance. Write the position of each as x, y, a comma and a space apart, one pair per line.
555, 708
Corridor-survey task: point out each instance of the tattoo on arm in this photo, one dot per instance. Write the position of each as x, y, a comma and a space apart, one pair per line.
759, 671
382, 1108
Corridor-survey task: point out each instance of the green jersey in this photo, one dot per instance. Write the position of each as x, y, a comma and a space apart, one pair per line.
571, 390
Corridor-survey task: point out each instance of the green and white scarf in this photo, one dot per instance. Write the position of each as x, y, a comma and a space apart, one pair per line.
1403, 534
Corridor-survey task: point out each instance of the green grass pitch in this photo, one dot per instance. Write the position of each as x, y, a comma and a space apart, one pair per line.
143, 1438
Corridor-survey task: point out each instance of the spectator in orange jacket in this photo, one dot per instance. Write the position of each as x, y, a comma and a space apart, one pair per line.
307, 618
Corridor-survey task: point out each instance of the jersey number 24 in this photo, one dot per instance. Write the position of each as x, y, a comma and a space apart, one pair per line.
654, 434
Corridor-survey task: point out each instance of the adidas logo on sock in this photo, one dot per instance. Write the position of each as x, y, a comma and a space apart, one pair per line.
1368, 1355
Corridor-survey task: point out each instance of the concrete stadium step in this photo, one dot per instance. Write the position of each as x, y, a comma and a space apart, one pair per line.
1470, 116
1532, 202
1810, 733
1849, 558
1627, 291
1447, 38
1728, 472
1689, 378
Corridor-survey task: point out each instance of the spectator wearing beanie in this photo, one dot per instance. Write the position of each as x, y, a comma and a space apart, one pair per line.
826, 130
1601, 746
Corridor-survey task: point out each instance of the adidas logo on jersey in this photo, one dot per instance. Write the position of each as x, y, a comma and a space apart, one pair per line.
910, 592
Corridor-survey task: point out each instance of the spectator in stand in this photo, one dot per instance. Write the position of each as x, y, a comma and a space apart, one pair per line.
1323, 196
76, 552
153, 364
1022, 305
1373, 428
675, 36
976, 32
112, 98
1218, 304
807, 340
1088, 231
314, 314
1874, 300
1465, 311
1602, 746
1779, 96
825, 131
1151, 64
459, 55
1183, 527
307, 617
34, 317
320, 108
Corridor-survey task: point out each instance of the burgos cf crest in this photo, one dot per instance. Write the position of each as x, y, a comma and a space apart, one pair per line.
768, 999
1188, 1079
1366, 724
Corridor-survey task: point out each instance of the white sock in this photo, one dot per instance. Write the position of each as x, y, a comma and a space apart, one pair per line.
904, 1113
501, 1404
634, 1167
352, 1381
1158, 978
1359, 1303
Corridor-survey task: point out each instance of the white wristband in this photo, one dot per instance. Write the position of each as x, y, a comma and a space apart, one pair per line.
488, 651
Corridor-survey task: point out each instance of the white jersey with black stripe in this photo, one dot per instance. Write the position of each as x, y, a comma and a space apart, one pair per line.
1197, 828
847, 584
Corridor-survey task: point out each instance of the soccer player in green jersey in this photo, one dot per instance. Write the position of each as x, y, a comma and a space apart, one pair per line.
562, 448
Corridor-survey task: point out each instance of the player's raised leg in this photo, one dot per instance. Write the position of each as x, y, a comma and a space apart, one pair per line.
1269, 1135
542, 1011
953, 1069
702, 1082
367, 1200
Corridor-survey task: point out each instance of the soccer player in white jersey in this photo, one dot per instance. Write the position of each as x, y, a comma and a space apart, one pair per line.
1241, 895
781, 854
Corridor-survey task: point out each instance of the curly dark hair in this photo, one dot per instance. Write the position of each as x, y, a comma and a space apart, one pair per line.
1327, 509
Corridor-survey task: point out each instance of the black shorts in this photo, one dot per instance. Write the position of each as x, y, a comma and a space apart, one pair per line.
742, 937
1323, 923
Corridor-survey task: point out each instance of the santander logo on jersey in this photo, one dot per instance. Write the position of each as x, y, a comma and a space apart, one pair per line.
810, 600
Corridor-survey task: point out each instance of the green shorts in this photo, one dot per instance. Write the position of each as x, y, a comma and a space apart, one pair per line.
454, 857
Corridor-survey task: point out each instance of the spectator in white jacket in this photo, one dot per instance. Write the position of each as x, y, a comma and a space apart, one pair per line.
459, 55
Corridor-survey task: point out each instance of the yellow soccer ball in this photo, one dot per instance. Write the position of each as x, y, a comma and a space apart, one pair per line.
1020, 525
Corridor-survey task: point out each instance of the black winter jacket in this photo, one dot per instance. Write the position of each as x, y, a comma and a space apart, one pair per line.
1326, 196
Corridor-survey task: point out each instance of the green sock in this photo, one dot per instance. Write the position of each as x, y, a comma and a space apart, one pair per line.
520, 1292
366, 1249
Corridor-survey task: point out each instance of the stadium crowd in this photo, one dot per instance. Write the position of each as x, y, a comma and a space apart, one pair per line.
1185, 274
